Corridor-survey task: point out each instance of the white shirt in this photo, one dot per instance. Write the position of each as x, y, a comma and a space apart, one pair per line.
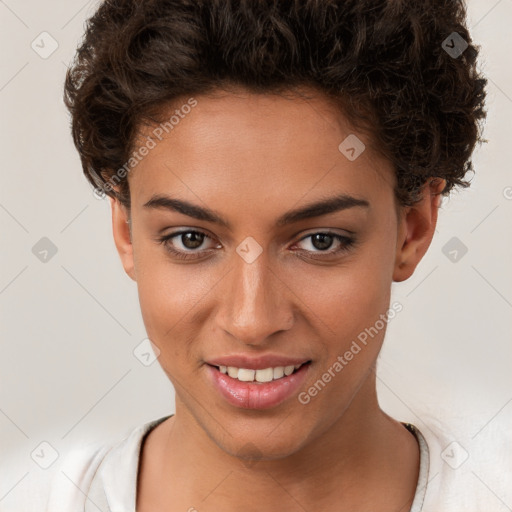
104, 478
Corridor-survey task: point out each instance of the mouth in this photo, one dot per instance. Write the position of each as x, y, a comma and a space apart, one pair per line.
262, 388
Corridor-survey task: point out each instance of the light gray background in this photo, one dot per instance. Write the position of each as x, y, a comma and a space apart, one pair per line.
69, 326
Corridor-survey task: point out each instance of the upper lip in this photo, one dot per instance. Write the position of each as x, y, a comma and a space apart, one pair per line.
256, 363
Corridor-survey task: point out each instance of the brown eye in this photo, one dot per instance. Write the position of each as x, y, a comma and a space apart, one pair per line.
185, 244
322, 241
192, 239
319, 243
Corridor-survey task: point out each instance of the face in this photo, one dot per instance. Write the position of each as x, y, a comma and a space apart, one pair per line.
235, 268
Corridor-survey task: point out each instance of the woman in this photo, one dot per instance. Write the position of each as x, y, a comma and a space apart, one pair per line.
273, 167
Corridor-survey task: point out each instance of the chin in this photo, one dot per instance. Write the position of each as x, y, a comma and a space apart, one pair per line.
253, 440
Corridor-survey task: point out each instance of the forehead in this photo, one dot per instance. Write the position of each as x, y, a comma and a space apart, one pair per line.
243, 148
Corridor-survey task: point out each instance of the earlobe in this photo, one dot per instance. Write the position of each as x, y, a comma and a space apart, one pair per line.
123, 236
416, 229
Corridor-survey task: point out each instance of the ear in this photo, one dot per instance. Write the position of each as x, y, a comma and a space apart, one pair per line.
416, 229
122, 236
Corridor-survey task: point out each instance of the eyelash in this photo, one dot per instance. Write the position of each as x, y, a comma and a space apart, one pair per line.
347, 244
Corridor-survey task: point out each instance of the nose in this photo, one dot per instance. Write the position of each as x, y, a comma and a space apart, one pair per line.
254, 303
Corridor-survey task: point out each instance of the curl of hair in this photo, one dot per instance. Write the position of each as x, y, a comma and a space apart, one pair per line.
382, 61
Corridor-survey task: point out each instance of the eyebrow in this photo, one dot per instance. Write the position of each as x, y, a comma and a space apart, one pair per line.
316, 209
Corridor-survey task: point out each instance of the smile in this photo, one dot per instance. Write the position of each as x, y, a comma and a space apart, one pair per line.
265, 375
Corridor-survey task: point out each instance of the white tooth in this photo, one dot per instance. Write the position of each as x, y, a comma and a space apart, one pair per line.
246, 375
265, 375
233, 372
278, 372
288, 370
223, 369
297, 366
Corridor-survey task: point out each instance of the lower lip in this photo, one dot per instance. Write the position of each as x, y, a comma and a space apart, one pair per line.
257, 395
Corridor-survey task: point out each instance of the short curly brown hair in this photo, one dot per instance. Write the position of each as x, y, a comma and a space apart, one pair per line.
405, 70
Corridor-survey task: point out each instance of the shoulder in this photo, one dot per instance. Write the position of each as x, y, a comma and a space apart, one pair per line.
97, 474
463, 472
55, 488
71, 480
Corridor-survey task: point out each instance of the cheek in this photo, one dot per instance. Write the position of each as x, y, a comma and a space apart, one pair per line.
168, 294
347, 313
351, 297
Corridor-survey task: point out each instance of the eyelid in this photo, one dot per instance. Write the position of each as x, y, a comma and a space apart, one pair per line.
329, 231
